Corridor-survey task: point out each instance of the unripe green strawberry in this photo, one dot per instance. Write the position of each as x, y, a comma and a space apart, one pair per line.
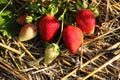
27, 32
22, 19
51, 52
72, 37
86, 21
48, 27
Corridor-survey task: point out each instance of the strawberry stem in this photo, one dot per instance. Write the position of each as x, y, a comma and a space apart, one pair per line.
62, 18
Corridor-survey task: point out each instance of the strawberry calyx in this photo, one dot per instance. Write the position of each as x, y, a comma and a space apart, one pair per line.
51, 52
95, 10
81, 5
52, 10
29, 19
22, 19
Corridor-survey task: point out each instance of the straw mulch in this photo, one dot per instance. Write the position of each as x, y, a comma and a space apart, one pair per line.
100, 59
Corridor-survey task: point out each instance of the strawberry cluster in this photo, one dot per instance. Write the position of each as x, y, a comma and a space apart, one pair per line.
48, 27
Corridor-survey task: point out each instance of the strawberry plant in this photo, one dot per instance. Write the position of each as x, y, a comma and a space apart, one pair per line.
8, 25
49, 25
47, 37
52, 21
3, 1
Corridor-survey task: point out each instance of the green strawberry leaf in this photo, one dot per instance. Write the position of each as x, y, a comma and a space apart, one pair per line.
8, 25
33, 8
55, 1
3, 1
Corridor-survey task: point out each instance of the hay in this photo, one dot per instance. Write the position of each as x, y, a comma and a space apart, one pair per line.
100, 59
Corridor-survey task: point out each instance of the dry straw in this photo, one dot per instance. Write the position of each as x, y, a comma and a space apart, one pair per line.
100, 58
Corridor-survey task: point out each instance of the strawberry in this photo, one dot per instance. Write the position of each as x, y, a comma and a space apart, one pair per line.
86, 21
27, 32
72, 37
48, 26
22, 19
51, 52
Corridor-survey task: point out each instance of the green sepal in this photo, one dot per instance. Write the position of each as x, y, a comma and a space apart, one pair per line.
95, 10
80, 4
43, 10
52, 9
29, 19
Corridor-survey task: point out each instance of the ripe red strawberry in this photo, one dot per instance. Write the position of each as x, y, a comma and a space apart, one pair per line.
48, 26
27, 32
72, 37
86, 21
22, 19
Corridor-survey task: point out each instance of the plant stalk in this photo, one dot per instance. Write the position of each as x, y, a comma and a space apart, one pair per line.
62, 24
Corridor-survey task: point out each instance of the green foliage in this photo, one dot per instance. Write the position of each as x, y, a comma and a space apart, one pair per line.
3, 1
33, 8
10, 28
8, 25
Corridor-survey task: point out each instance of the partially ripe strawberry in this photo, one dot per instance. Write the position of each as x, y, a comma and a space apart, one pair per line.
27, 32
72, 37
51, 53
22, 19
86, 21
48, 27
